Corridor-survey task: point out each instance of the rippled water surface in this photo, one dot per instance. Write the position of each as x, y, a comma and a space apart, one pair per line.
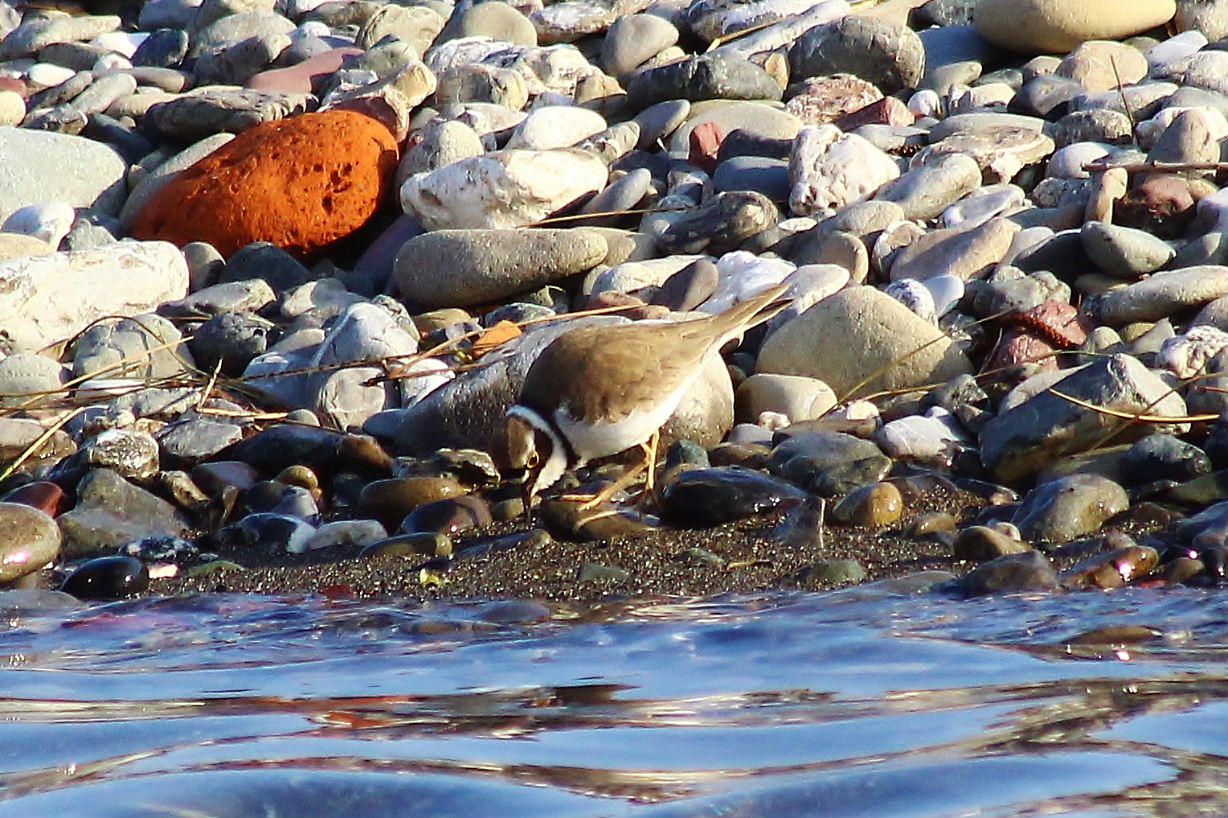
857, 703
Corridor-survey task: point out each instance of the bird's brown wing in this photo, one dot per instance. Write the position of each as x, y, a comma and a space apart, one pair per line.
606, 373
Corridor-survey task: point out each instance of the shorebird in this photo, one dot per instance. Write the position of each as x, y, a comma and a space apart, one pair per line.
597, 391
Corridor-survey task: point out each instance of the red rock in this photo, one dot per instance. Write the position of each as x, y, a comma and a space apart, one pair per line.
46, 497
14, 84
705, 143
1022, 347
301, 183
300, 77
1159, 203
885, 111
1058, 323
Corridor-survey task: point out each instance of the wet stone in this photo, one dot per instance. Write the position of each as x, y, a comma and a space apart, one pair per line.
31, 539
107, 578
980, 543
450, 516
1163, 457
1012, 573
1069, 507
1112, 569
872, 506
279, 532
701, 498
825, 573
417, 546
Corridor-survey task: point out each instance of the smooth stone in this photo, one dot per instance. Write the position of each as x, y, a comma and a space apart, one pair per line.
46, 221
111, 511
345, 533
1012, 573
556, 126
1112, 569
883, 345
422, 545
489, 265
828, 463
925, 192
32, 172
1124, 252
1163, 457
450, 516
1161, 295
324, 451
36, 33
700, 78
130, 453
265, 530
934, 437
497, 20
416, 25
796, 397
107, 578
502, 189
1101, 65
146, 346
47, 299
757, 118
27, 379
702, 498
634, 39
1043, 428
1069, 507
717, 226
890, 56
825, 573
1054, 26
979, 543
966, 253
392, 499
31, 540
873, 506
1207, 17
1098, 125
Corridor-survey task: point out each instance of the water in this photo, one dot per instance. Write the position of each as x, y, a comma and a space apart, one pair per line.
856, 703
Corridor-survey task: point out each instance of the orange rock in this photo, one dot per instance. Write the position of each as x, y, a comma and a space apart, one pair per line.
301, 183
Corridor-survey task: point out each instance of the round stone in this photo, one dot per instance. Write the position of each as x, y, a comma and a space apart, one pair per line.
872, 506
31, 539
1057, 26
107, 578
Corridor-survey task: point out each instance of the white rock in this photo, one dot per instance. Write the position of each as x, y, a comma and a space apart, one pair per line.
946, 291
936, 435
983, 204
1067, 162
741, 275
423, 377
556, 126
12, 108
829, 169
1149, 130
503, 189
47, 299
635, 275
344, 399
47, 74
345, 532
916, 296
1163, 57
49, 221
1187, 355
925, 102
121, 42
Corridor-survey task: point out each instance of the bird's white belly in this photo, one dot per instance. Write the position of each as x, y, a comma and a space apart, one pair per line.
591, 441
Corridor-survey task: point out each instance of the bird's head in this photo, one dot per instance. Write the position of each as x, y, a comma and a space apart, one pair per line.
528, 450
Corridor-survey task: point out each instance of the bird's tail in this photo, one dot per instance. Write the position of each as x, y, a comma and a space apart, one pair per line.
752, 312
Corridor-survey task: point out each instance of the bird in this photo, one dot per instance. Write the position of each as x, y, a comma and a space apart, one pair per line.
596, 391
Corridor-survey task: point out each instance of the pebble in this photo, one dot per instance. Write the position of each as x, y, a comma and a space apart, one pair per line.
701, 498
112, 577
1052, 26
873, 506
31, 540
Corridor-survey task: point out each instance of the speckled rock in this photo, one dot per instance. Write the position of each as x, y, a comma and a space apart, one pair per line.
300, 183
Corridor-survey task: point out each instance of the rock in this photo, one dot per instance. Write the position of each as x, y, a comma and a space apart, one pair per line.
967, 253
701, 498
873, 506
926, 191
107, 578
935, 437
110, 511
979, 543
31, 540
889, 56
1112, 569
756, 118
798, 398
502, 189
1069, 507
156, 178
699, 78
633, 39
460, 268
47, 221
1053, 26
821, 100
145, 346
828, 463
1123, 251
215, 109
829, 170
28, 379
391, 500
300, 183
1163, 457
825, 573
32, 171
1163, 294
556, 126
324, 451
1028, 437
1100, 65
861, 341
47, 299
416, 25
1012, 573
1209, 17
490, 19
451, 516
416, 546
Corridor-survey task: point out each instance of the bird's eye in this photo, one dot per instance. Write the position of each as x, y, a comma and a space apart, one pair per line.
533, 460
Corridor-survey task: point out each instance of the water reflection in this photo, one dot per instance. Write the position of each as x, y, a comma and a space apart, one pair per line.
867, 702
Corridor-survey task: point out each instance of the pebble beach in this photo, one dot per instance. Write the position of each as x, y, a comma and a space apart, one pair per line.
273, 271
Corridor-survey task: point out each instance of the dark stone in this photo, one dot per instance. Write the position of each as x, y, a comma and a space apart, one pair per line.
260, 259
450, 516
767, 176
107, 578
1163, 457
703, 77
719, 224
163, 48
890, 56
1029, 571
417, 546
1047, 95
321, 450
233, 339
701, 498
689, 287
